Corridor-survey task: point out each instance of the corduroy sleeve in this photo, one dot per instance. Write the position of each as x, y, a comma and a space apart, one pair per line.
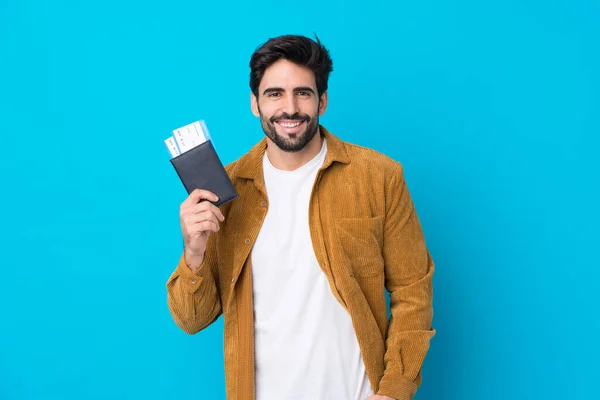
408, 279
193, 298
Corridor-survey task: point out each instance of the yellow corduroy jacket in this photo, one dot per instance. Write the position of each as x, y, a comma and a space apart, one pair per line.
366, 237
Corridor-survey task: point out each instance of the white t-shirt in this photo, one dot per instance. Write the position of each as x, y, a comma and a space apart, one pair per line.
305, 344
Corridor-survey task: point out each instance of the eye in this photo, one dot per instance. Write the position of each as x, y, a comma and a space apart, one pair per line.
274, 94
304, 93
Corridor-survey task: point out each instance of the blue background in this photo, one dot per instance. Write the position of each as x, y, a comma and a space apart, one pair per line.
492, 107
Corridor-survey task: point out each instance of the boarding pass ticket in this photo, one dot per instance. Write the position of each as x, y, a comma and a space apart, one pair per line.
187, 137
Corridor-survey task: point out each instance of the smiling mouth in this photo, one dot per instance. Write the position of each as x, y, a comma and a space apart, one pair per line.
289, 124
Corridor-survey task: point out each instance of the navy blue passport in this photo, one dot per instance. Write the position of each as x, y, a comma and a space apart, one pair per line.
201, 168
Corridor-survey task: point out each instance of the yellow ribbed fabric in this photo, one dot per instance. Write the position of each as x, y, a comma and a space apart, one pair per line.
366, 237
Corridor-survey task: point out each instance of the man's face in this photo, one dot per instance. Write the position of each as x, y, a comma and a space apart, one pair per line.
288, 105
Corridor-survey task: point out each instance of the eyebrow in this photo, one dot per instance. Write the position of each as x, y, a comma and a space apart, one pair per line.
278, 90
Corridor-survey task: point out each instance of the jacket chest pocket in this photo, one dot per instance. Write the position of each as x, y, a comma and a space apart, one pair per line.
361, 240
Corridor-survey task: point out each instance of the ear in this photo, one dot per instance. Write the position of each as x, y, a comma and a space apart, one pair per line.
322, 103
254, 105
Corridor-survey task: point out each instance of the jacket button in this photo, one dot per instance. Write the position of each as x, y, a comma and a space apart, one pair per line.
264, 204
232, 279
193, 281
247, 241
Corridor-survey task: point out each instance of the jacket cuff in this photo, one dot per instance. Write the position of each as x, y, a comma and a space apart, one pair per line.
190, 280
397, 388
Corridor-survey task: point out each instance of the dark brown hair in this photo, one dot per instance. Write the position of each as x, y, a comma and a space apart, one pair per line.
297, 49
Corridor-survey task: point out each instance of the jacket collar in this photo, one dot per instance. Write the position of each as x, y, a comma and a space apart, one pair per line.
250, 164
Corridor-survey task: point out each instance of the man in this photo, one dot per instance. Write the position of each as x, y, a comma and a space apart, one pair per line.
298, 265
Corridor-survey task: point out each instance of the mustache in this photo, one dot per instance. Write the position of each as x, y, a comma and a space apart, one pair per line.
296, 117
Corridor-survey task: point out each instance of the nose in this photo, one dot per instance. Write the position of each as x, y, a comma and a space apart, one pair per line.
291, 105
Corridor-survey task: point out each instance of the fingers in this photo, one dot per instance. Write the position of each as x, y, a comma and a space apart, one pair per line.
199, 218
188, 209
192, 231
206, 206
192, 219
197, 195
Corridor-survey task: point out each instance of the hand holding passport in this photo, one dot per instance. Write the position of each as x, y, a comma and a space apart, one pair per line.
197, 163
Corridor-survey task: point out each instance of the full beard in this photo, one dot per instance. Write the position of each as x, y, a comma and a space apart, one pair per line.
295, 142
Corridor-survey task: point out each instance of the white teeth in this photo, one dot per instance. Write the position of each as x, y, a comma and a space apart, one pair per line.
293, 125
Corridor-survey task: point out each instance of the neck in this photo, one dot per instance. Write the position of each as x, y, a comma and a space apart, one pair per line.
287, 161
